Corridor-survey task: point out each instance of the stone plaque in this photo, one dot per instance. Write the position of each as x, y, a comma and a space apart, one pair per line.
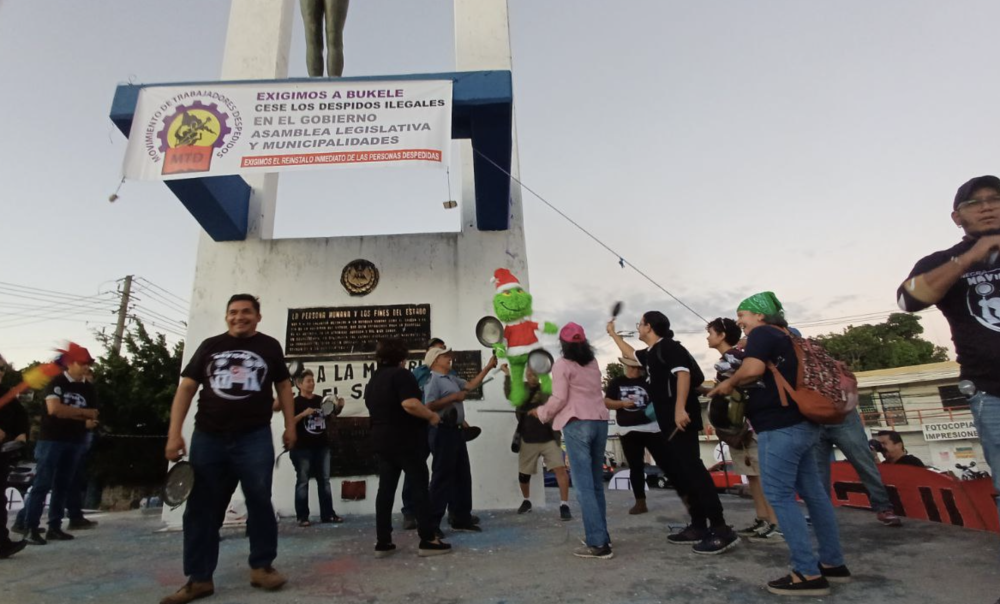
468, 364
355, 329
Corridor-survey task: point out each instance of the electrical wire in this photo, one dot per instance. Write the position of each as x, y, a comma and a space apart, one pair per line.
621, 260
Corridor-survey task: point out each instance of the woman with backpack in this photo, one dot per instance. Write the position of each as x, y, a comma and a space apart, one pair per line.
787, 441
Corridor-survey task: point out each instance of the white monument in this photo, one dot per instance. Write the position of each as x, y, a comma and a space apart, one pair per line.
450, 272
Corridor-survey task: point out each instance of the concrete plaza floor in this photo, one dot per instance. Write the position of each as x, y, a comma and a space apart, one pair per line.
516, 559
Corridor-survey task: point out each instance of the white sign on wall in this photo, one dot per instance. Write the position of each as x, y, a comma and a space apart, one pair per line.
218, 129
950, 430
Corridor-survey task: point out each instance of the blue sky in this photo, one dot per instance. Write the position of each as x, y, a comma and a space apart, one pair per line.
728, 147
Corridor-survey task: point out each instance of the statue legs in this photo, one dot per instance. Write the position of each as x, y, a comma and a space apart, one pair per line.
312, 18
329, 17
336, 17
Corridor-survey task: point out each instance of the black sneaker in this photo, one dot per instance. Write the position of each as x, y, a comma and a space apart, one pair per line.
758, 525
587, 551
836, 574
34, 537
467, 527
409, 522
10, 548
57, 534
384, 550
785, 586
770, 534
429, 548
564, 513
525, 507
717, 541
20, 529
81, 524
689, 536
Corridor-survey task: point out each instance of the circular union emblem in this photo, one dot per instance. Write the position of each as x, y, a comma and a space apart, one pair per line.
359, 277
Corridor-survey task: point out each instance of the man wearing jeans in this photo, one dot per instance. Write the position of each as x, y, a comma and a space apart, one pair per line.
238, 372
69, 402
851, 438
964, 283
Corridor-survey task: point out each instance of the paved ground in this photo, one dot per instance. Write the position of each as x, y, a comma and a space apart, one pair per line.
517, 559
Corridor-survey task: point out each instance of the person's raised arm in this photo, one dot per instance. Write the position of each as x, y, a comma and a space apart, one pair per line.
626, 349
476, 381
922, 290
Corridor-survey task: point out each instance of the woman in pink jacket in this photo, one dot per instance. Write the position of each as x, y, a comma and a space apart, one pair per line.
576, 407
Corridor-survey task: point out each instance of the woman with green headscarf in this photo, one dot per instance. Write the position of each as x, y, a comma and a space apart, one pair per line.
787, 441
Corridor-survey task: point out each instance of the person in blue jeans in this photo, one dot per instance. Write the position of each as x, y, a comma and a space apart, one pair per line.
787, 443
852, 439
311, 455
962, 281
576, 407
70, 401
238, 373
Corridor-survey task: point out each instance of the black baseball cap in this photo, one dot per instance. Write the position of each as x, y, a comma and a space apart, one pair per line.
965, 191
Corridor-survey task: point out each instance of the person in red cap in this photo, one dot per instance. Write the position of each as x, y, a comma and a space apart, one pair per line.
576, 407
70, 401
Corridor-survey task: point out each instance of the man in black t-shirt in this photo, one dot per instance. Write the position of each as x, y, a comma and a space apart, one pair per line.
673, 377
14, 425
238, 373
69, 402
964, 283
894, 451
399, 438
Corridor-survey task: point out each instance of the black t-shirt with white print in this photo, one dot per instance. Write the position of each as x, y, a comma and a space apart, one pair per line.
972, 308
72, 394
663, 361
630, 389
237, 378
311, 429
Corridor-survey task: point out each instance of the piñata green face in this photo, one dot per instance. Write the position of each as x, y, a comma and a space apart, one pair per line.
512, 305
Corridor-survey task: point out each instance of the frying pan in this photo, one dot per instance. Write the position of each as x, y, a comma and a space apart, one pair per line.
330, 405
489, 331
180, 481
540, 361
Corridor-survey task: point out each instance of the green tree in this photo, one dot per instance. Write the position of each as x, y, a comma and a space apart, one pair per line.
612, 371
134, 390
894, 343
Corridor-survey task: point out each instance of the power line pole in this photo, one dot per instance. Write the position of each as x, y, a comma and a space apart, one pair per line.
122, 315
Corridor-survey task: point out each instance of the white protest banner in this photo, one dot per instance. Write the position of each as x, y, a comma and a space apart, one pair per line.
950, 430
217, 129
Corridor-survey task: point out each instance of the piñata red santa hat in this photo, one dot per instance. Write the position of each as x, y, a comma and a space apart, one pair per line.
504, 280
